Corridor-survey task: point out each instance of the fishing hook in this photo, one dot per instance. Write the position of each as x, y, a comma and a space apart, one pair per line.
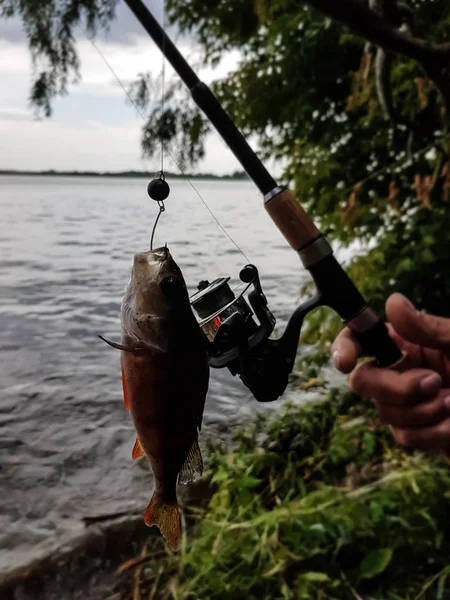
162, 208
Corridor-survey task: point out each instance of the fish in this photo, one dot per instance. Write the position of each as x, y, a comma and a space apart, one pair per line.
165, 379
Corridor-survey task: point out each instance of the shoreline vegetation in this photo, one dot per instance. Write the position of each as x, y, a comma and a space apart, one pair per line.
315, 502
236, 176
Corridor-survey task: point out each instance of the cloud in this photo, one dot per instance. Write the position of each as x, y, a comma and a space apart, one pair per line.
11, 30
94, 127
89, 143
123, 30
13, 114
126, 28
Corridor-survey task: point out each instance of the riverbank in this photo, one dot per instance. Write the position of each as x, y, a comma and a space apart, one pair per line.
87, 567
315, 502
236, 176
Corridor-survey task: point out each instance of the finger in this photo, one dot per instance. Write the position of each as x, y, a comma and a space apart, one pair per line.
392, 387
345, 351
417, 327
413, 351
428, 358
425, 414
436, 437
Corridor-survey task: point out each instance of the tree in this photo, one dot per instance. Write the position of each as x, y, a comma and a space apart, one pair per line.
49, 26
362, 128
366, 173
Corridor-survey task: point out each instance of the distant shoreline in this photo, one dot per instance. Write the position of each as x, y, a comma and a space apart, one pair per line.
236, 176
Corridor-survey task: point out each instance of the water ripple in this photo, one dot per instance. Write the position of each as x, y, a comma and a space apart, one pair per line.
66, 250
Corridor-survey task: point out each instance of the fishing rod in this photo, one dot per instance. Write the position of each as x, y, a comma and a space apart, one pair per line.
233, 337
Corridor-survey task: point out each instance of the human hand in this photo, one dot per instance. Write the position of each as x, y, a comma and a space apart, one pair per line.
415, 403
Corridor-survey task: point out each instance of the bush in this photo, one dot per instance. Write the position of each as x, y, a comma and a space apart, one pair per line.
315, 503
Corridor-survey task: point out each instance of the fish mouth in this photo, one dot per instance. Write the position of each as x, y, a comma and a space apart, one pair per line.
147, 264
160, 254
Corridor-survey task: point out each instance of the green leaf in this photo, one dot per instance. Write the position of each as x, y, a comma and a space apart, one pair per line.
285, 591
316, 576
406, 265
441, 586
375, 562
279, 567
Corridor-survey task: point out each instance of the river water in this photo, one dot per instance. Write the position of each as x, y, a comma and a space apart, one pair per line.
66, 248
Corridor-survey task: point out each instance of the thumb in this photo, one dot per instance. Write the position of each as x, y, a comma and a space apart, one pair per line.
417, 327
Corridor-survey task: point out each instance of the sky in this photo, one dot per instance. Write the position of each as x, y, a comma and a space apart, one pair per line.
94, 127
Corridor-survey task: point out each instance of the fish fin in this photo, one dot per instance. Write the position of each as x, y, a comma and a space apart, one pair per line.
137, 351
137, 450
115, 345
192, 468
167, 518
125, 393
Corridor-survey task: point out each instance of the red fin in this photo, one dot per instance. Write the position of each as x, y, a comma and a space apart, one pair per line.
137, 450
125, 395
167, 518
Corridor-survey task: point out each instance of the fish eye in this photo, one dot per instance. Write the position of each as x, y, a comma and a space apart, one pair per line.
171, 287
168, 282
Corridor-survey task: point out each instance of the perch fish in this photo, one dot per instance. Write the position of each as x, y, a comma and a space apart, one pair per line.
165, 377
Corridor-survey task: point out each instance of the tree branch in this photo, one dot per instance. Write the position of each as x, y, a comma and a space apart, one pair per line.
374, 28
435, 59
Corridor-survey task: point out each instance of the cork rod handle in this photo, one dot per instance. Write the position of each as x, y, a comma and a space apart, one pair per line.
290, 218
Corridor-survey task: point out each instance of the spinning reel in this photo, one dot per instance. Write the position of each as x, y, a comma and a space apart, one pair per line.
233, 336
235, 340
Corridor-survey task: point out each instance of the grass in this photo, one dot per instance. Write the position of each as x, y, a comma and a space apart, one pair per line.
316, 503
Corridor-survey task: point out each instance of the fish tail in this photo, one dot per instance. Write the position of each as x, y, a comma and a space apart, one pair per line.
166, 516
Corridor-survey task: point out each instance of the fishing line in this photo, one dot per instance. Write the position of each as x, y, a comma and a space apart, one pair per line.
163, 79
161, 175
380, 171
207, 208
113, 73
188, 181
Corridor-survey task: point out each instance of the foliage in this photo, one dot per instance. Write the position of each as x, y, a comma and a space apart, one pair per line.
50, 29
304, 89
362, 178
316, 503
411, 257
320, 113
180, 124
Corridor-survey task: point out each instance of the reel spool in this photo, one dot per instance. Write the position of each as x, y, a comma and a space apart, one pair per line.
237, 333
227, 320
